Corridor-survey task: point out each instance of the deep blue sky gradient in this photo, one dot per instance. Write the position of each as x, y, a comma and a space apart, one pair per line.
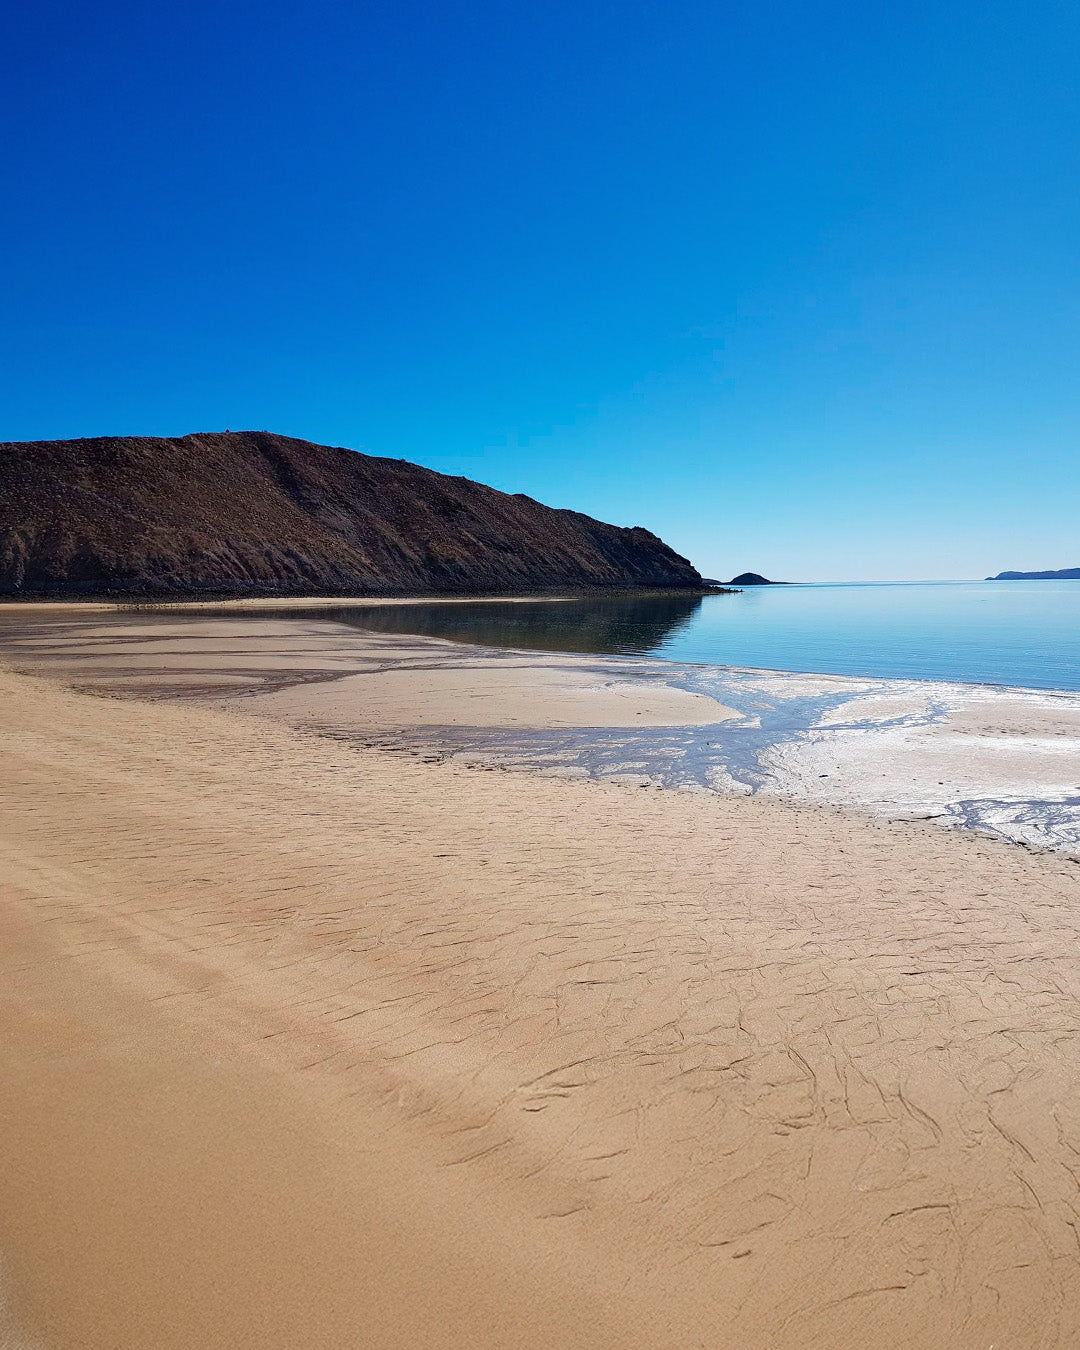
795, 285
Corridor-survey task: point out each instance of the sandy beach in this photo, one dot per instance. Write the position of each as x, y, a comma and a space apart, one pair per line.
306, 1042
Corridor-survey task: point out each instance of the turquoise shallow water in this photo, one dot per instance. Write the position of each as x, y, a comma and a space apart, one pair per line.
1022, 633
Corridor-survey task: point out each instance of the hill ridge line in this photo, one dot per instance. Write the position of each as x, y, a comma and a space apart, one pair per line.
258, 513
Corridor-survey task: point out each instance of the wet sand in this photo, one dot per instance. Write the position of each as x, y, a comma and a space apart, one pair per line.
325, 674
306, 1043
1006, 761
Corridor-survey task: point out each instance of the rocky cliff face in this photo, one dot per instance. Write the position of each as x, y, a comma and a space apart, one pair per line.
252, 513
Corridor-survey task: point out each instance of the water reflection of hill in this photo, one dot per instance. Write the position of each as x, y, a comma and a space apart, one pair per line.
604, 624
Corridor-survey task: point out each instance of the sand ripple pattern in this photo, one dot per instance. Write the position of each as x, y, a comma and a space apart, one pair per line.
786, 1077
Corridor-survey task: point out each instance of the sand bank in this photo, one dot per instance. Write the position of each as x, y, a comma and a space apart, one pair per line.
311, 1045
326, 674
268, 604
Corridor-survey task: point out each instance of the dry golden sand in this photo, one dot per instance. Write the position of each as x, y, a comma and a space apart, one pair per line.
310, 1046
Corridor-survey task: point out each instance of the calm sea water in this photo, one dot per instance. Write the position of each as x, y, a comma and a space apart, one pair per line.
1024, 633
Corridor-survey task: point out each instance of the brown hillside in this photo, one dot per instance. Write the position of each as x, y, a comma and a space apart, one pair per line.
254, 513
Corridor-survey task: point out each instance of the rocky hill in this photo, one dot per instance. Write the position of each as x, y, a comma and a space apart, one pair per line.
1062, 574
253, 513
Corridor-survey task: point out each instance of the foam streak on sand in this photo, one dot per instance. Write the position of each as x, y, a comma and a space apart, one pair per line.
1004, 761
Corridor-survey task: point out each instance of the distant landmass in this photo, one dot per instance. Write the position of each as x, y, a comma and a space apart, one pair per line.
753, 579
1062, 574
253, 513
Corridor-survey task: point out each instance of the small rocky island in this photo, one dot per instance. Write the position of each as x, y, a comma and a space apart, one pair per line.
753, 579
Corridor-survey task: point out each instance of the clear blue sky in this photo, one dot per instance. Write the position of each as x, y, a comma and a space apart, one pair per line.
795, 285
